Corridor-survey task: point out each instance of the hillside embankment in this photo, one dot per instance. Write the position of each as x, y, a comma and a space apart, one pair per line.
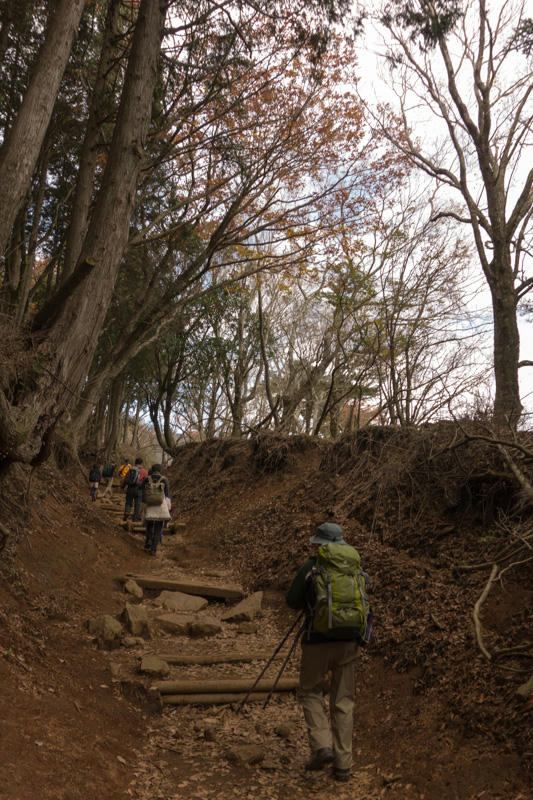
436, 718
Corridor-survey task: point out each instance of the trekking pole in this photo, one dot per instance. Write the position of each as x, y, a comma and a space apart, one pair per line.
280, 673
270, 660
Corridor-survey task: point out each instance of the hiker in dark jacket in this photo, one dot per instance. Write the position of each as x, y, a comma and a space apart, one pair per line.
155, 516
94, 479
132, 483
320, 655
109, 473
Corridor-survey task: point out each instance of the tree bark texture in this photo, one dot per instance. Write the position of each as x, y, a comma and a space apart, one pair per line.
495, 89
113, 415
89, 153
21, 149
67, 347
507, 405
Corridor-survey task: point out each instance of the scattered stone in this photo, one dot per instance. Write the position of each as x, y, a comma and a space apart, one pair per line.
204, 626
107, 630
116, 670
137, 620
246, 754
175, 623
132, 587
129, 641
245, 611
137, 692
285, 730
210, 733
155, 666
526, 690
269, 765
247, 627
179, 601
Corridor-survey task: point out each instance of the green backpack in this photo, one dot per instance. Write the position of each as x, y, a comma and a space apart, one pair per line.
154, 492
341, 609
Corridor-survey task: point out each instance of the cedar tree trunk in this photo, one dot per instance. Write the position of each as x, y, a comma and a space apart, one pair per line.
70, 326
21, 149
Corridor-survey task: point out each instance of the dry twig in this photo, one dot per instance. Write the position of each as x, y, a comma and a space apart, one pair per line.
477, 607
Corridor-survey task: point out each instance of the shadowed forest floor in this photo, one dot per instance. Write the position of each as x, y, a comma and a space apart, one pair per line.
434, 719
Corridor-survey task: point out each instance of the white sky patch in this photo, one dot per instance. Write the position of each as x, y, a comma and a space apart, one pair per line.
375, 88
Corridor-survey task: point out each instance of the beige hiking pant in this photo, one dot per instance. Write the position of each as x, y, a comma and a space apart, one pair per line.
337, 658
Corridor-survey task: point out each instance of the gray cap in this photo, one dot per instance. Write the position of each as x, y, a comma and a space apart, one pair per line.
328, 532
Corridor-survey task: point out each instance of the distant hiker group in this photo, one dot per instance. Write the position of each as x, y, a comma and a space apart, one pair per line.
147, 495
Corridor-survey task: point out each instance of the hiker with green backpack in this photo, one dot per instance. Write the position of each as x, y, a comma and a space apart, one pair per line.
331, 588
155, 507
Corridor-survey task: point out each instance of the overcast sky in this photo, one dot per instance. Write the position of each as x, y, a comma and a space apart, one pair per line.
375, 88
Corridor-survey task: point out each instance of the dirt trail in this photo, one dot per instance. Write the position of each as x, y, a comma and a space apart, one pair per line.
403, 746
76, 723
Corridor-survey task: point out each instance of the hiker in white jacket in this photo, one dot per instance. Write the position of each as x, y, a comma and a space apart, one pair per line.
155, 507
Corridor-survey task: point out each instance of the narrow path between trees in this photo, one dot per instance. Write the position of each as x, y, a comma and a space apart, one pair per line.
186, 656
201, 745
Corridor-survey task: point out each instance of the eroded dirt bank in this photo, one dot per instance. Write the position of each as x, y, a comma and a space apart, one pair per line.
435, 719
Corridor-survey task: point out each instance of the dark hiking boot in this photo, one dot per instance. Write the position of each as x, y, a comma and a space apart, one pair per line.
320, 758
341, 774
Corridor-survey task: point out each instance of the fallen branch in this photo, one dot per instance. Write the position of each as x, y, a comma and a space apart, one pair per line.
477, 608
519, 648
4, 536
516, 564
437, 622
503, 555
525, 485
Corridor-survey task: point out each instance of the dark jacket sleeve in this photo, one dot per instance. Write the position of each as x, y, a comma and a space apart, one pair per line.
143, 487
296, 596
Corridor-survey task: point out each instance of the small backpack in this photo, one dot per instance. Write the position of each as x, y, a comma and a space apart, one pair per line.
154, 492
107, 471
132, 478
340, 607
94, 476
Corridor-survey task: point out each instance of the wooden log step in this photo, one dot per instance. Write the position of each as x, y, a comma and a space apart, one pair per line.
217, 658
189, 586
212, 699
137, 527
224, 685
133, 527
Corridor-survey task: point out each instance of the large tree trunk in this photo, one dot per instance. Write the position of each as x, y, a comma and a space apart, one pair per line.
507, 405
21, 149
113, 416
135, 434
70, 326
89, 152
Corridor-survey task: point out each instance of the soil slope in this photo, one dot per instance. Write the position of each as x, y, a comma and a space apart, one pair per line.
435, 719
